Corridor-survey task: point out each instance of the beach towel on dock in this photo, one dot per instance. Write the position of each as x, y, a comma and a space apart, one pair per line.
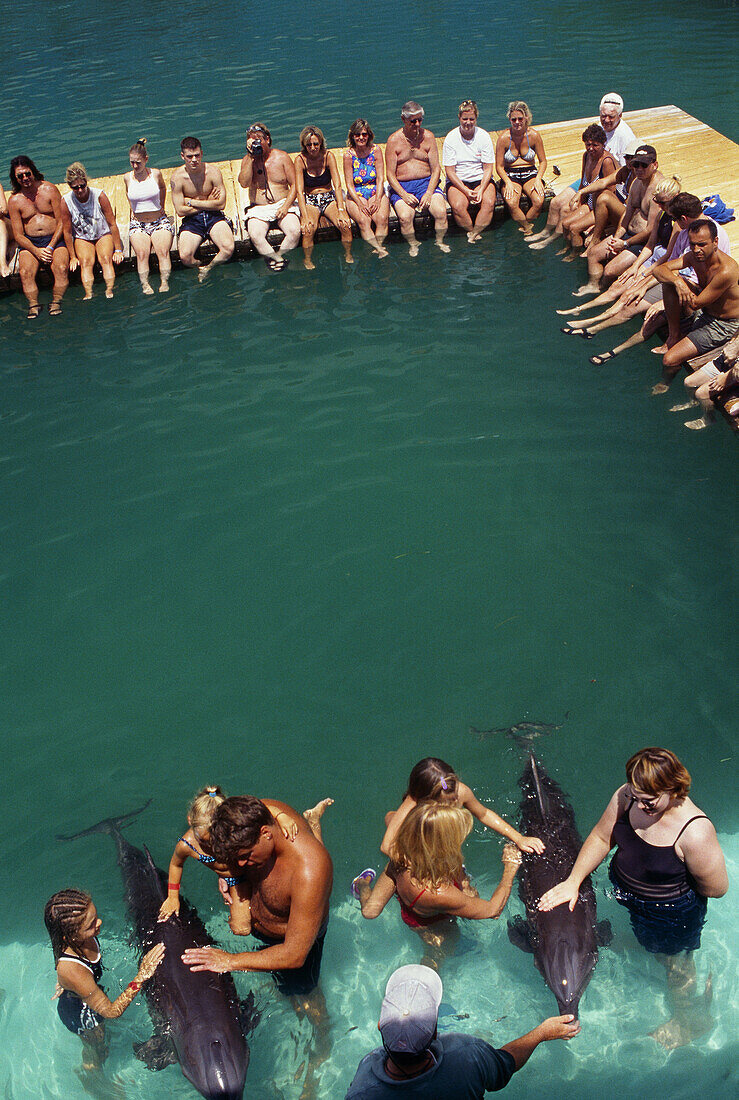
715, 207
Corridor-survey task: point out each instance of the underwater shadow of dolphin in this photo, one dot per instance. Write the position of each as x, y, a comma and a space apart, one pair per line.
564, 944
198, 1020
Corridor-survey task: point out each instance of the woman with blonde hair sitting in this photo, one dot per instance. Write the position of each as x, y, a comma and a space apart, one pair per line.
319, 193
427, 875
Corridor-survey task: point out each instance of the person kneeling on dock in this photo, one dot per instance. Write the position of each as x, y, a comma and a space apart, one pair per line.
90, 230
413, 173
700, 316
469, 158
269, 176
199, 197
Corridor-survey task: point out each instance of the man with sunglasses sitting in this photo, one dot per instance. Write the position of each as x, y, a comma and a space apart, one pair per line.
35, 210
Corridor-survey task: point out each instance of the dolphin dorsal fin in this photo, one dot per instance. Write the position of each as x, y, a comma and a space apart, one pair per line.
537, 784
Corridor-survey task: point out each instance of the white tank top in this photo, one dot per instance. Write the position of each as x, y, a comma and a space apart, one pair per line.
88, 220
144, 195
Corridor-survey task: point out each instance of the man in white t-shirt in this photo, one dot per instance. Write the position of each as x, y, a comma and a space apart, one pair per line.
469, 158
619, 136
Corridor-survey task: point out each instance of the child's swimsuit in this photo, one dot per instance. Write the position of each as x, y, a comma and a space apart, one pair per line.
77, 1016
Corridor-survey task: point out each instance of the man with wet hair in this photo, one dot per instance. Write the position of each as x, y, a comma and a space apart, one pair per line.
269, 176
619, 136
415, 1060
199, 198
413, 173
35, 210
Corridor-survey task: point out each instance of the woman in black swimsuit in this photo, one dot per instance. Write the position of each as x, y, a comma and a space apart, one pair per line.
667, 863
319, 193
73, 925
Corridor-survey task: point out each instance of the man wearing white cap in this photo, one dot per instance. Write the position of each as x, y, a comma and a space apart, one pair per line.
619, 136
414, 1062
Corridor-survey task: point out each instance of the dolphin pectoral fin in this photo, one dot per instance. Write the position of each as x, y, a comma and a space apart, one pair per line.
156, 1053
603, 933
519, 933
249, 1014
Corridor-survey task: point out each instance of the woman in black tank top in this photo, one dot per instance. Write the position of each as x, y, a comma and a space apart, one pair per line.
667, 863
319, 193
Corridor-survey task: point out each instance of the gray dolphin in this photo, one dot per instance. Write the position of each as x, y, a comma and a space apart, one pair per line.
197, 1018
523, 733
564, 944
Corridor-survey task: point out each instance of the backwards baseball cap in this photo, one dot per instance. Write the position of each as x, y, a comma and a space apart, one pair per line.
646, 152
613, 99
630, 150
410, 1009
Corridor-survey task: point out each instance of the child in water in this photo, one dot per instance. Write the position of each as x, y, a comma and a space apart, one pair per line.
433, 780
194, 843
73, 925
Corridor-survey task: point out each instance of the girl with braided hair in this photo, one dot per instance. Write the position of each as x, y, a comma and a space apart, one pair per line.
73, 926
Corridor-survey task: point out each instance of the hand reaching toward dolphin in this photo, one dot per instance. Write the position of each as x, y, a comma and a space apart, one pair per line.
208, 958
567, 891
559, 1027
530, 844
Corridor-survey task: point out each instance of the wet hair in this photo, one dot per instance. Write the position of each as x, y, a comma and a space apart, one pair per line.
428, 843
236, 826
704, 223
519, 105
658, 771
411, 109
430, 778
202, 809
75, 172
468, 105
190, 143
612, 99
686, 205
139, 147
262, 130
312, 131
594, 132
63, 916
356, 128
23, 162
666, 190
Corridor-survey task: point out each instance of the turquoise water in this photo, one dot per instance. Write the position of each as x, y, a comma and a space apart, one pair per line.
291, 535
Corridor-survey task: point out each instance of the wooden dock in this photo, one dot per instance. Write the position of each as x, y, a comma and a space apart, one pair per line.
706, 161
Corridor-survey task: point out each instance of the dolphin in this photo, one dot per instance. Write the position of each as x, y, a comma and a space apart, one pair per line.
564, 944
197, 1018
522, 732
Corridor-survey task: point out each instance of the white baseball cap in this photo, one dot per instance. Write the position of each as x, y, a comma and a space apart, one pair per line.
410, 1009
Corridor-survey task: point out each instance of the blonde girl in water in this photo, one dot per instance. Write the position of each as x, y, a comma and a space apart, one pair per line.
433, 780
194, 843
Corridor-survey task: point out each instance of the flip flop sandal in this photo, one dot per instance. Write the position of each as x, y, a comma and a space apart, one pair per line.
597, 360
367, 875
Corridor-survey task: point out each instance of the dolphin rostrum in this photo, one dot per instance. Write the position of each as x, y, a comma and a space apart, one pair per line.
564, 944
197, 1018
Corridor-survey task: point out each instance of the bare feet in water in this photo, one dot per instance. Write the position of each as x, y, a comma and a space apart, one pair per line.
315, 813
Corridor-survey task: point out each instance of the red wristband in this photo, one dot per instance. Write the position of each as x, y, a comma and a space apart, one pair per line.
135, 986
173, 886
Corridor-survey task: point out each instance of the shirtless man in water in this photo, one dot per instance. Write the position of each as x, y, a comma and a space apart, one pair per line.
702, 316
199, 197
35, 210
269, 176
282, 900
413, 172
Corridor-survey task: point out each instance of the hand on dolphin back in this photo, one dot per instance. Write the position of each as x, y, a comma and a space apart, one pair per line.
208, 958
566, 891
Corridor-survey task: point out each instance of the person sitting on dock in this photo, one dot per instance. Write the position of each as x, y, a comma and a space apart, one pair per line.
364, 176
713, 383
516, 153
619, 136
703, 315
269, 176
413, 173
596, 165
320, 193
469, 159
7, 242
35, 209
199, 198
150, 228
90, 230
609, 258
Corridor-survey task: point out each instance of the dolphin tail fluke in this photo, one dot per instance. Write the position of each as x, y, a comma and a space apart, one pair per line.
107, 825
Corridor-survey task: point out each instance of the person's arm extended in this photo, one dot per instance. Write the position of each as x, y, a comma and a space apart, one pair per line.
435, 168
396, 821
351, 191
109, 216
79, 980
69, 237
171, 903
300, 190
704, 859
3, 202
391, 164
246, 170
489, 818
56, 206
343, 218
538, 147
595, 849
457, 904
717, 286
453, 178
669, 270
289, 199
556, 1027
500, 148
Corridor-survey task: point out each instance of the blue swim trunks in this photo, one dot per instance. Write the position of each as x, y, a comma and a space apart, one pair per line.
664, 927
415, 187
201, 223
